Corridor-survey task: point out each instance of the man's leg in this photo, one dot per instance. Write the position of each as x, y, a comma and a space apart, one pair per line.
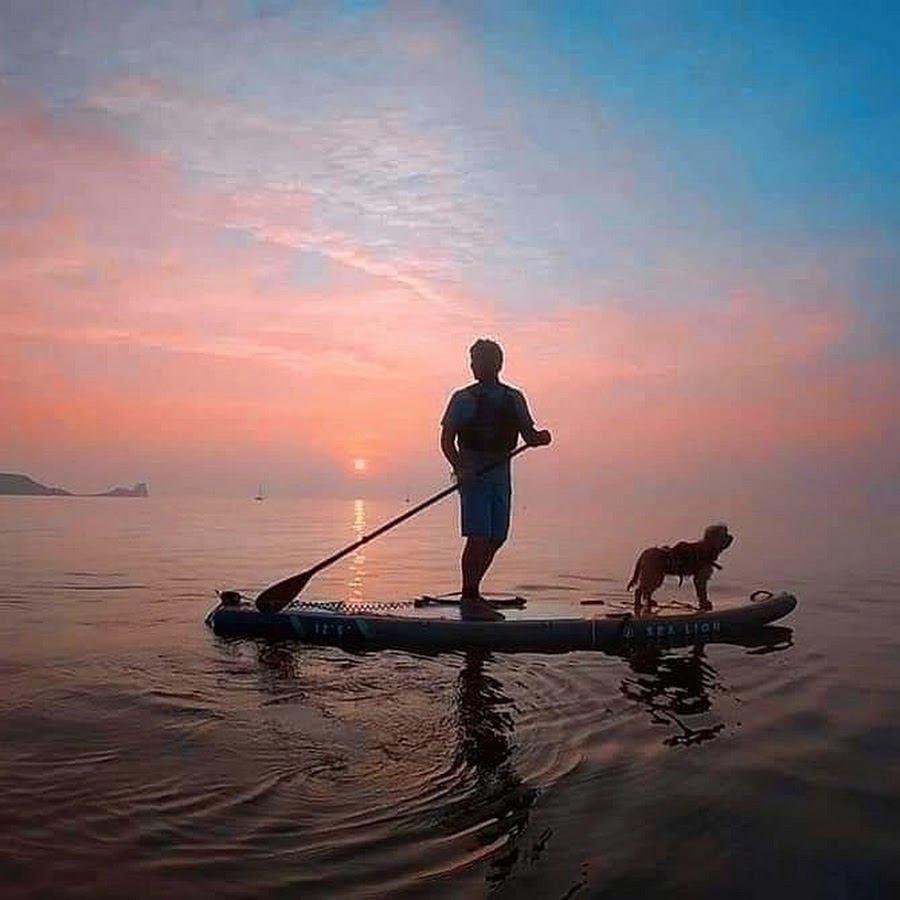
477, 556
499, 502
479, 550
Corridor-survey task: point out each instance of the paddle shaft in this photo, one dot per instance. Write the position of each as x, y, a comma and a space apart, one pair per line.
279, 595
408, 514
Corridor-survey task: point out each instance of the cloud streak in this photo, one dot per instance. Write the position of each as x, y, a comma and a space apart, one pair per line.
272, 242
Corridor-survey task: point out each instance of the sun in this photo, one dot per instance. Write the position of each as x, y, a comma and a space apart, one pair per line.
359, 465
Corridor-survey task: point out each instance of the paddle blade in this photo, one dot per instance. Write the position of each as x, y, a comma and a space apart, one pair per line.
277, 596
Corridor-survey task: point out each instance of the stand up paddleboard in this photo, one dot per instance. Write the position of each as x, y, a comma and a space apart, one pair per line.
430, 623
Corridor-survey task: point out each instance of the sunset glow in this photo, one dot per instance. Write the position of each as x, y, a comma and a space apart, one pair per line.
214, 267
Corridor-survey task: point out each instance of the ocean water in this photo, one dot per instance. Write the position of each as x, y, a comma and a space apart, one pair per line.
142, 756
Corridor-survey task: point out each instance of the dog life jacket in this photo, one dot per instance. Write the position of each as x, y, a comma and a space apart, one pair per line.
687, 557
494, 428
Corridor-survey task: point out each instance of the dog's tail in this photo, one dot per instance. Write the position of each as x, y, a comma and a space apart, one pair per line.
634, 577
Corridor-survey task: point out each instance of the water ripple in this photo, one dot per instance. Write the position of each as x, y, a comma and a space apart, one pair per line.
138, 749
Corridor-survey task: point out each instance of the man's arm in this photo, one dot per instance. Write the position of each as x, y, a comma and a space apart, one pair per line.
448, 446
532, 436
462, 473
536, 438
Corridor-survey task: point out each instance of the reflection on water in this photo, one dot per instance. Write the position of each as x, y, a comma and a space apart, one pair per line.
462, 801
357, 564
500, 798
139, 748
278, 667
673, 685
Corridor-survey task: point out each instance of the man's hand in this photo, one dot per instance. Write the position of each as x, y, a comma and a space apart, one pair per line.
464, 474
539, 439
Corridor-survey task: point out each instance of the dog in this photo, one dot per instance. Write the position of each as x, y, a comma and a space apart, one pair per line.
694, 558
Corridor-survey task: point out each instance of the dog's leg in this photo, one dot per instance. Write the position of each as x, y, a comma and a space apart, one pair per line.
650, 581
637, 600
701, 577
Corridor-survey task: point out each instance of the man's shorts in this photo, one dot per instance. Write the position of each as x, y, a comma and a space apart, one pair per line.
484, 505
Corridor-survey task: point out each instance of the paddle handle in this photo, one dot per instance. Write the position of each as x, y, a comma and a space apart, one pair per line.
409, 513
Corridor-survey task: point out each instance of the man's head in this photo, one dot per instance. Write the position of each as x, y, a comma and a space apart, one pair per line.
487, 359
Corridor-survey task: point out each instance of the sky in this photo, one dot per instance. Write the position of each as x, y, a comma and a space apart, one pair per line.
249, 243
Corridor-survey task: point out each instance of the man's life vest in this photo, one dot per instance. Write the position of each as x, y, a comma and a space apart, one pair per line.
495, 426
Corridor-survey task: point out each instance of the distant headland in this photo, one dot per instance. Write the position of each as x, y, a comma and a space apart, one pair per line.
23, 486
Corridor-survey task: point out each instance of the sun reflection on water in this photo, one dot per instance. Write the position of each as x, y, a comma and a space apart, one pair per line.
355, 585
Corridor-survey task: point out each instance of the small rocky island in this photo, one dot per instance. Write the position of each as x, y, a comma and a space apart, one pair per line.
23, 486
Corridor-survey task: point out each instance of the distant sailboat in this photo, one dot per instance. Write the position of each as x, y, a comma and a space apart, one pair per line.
259, 496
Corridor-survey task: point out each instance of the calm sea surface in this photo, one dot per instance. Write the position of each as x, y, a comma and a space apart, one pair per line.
142, 756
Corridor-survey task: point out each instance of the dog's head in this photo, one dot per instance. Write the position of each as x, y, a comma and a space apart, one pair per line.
717, 536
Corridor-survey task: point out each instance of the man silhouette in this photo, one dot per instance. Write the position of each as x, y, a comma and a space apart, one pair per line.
481, 426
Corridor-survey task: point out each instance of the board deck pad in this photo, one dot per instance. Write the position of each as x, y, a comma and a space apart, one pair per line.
498, 601
514, 607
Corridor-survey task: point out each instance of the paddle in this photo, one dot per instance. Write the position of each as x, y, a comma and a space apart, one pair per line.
277, 596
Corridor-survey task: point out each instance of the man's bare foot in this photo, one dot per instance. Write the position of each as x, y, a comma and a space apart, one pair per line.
478, 609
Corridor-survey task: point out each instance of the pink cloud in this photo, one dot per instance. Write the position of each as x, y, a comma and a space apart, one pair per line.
132, 331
